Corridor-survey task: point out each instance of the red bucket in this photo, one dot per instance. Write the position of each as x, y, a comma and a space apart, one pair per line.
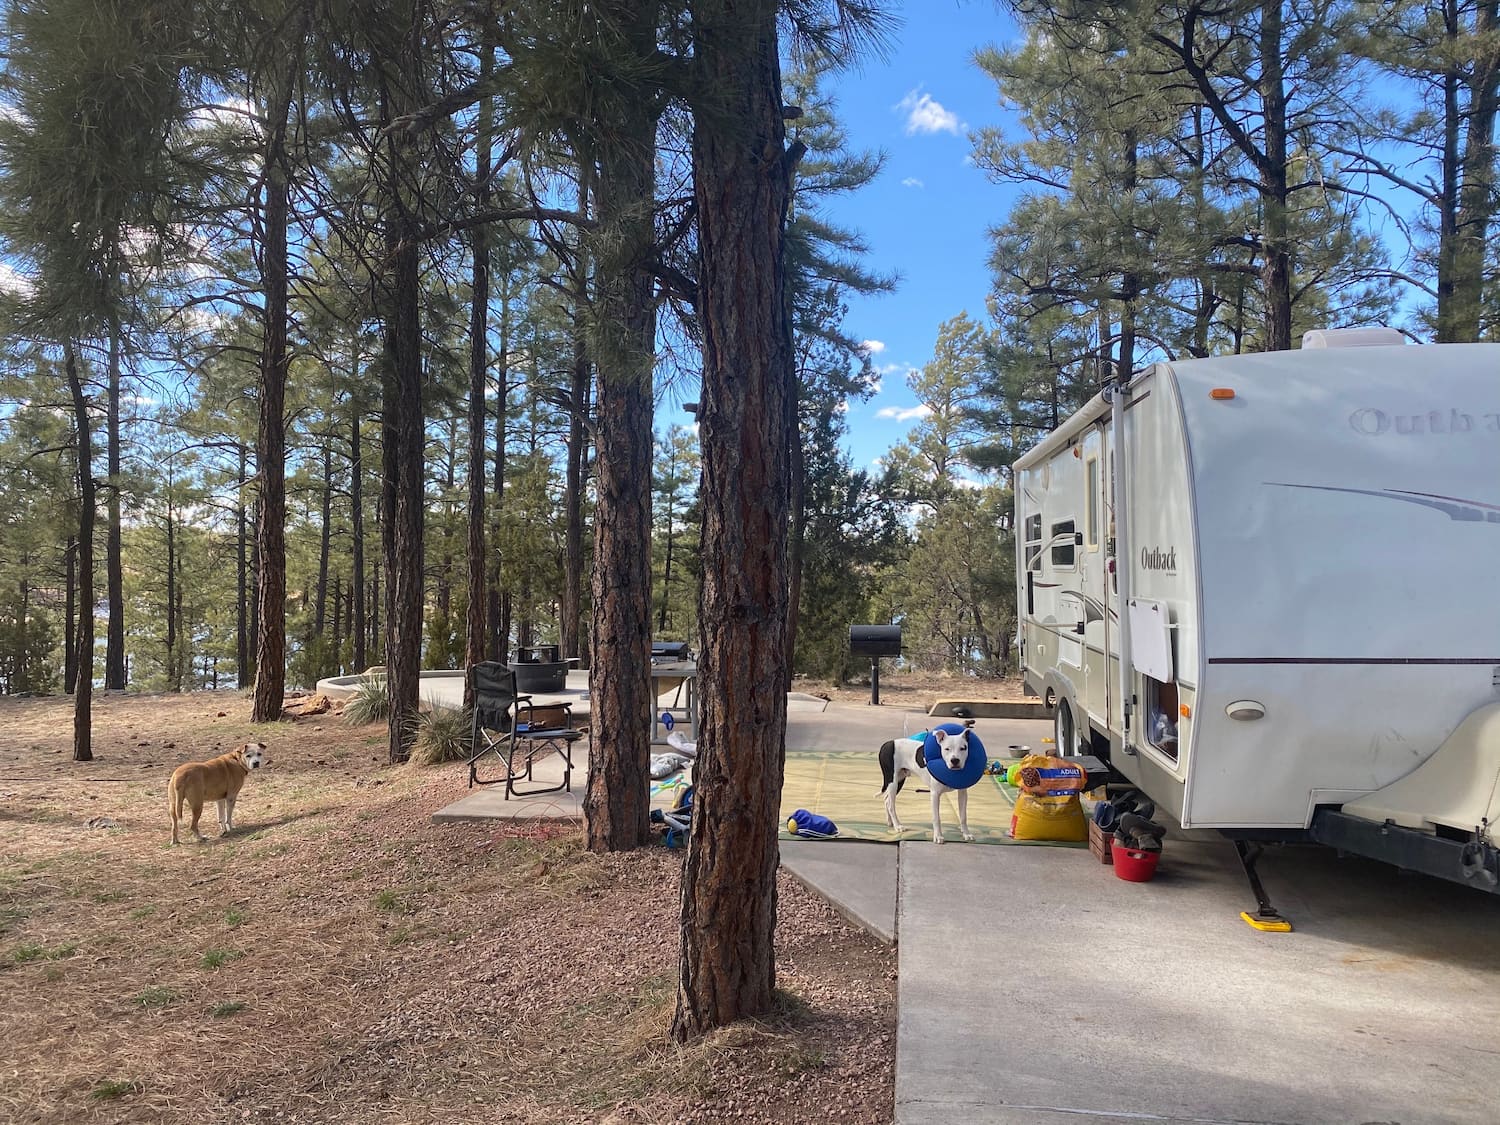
1134, 866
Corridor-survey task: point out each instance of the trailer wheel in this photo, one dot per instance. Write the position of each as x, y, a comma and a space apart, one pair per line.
1064, 732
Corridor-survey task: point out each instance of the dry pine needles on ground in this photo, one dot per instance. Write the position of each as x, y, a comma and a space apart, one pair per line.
342, 958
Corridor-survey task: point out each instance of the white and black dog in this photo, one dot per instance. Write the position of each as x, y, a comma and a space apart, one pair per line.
906, 757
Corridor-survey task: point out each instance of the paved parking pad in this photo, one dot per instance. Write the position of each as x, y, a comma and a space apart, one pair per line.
1037, 987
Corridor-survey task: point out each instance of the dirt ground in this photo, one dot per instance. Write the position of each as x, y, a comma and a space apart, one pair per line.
340, 957
913, 689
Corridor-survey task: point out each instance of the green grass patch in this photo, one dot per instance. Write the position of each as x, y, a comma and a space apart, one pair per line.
392, 902
229, 1008
217, 958
110, 896
156, 997
234, 917
33, 951
142, 912
111, 1089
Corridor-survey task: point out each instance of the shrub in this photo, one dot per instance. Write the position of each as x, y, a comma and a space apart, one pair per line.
442, 736
371, 702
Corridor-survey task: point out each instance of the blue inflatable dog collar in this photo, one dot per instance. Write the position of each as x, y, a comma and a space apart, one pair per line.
954, 779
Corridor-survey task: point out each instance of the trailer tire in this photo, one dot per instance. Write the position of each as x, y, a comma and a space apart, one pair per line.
1065, 730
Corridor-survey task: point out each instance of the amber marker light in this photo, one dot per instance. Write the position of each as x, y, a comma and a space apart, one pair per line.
1221, 392
1185, 711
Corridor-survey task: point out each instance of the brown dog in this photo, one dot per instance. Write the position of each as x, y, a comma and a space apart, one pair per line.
217, 780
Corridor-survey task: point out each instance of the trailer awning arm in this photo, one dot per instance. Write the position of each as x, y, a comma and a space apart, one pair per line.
1115, 394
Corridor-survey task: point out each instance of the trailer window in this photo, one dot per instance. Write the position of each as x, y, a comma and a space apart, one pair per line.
1161, 716
1091, 506
1034, 542
1063, 534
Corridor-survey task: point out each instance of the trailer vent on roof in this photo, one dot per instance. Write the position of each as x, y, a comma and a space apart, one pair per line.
1351, 338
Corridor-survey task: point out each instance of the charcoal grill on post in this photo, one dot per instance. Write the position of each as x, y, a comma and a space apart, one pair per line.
875, 641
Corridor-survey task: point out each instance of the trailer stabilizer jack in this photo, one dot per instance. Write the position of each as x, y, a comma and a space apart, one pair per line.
1266, 918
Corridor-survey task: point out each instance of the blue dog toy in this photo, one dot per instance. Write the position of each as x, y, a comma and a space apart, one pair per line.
955, 779
811, 825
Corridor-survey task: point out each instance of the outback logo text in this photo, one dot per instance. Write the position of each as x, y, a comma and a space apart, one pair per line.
1373, 422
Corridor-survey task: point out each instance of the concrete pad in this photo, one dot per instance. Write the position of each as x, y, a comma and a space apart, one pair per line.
488, 802
857, 879
1075, 997
991, 708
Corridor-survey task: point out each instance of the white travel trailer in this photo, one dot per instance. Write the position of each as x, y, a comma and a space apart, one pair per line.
1299, 554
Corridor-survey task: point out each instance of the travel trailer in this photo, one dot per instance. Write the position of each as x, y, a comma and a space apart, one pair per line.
1298, 555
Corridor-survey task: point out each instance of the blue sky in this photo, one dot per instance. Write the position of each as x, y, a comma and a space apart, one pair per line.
927, 215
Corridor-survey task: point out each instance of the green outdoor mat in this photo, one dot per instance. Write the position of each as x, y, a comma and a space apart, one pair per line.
845, 787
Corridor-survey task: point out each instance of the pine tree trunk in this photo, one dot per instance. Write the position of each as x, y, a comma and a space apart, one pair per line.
1449, 326
357, 516
270, 457
1476, 197
320, 603
402, 421
477, 616
174, 673
70, 610
499, 640
796, 540
337, 652
1276, 269
571, 615
741, 178
114, 636
617, 804
254, 589
241, 580
83, 695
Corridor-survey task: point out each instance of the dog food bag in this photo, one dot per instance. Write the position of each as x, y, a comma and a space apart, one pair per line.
1042, 775
1050, 818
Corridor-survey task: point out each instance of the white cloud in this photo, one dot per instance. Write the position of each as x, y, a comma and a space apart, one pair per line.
925, 114
921, 410
13, 280
912, 181
892, 369
872, 347
875, 385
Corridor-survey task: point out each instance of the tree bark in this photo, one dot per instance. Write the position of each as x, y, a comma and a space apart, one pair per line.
270, 456
571, 614
320, 600
499, 624
477, 618
114, 642
1449, 327
1276, 269
241, 579
617, 804
357, 517
70, 610
83, 696
402, 421
174, 671
1476, 196
741, 174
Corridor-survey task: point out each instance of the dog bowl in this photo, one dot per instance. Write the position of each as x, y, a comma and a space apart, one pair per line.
1133, 865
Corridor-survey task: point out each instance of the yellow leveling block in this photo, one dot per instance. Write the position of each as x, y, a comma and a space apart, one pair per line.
1266, 925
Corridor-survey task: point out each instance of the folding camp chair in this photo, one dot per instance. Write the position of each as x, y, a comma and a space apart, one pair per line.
508, 725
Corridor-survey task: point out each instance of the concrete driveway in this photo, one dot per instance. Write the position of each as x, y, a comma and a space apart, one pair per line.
1037, 987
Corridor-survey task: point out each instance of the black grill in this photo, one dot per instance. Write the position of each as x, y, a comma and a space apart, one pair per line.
875, 640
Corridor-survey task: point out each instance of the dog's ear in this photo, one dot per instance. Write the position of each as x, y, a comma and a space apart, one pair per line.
941, 735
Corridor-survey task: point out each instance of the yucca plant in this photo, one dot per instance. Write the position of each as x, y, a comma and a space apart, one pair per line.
371, 702
442, 736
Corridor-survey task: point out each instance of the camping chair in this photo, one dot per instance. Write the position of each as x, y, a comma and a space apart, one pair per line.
509, 726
